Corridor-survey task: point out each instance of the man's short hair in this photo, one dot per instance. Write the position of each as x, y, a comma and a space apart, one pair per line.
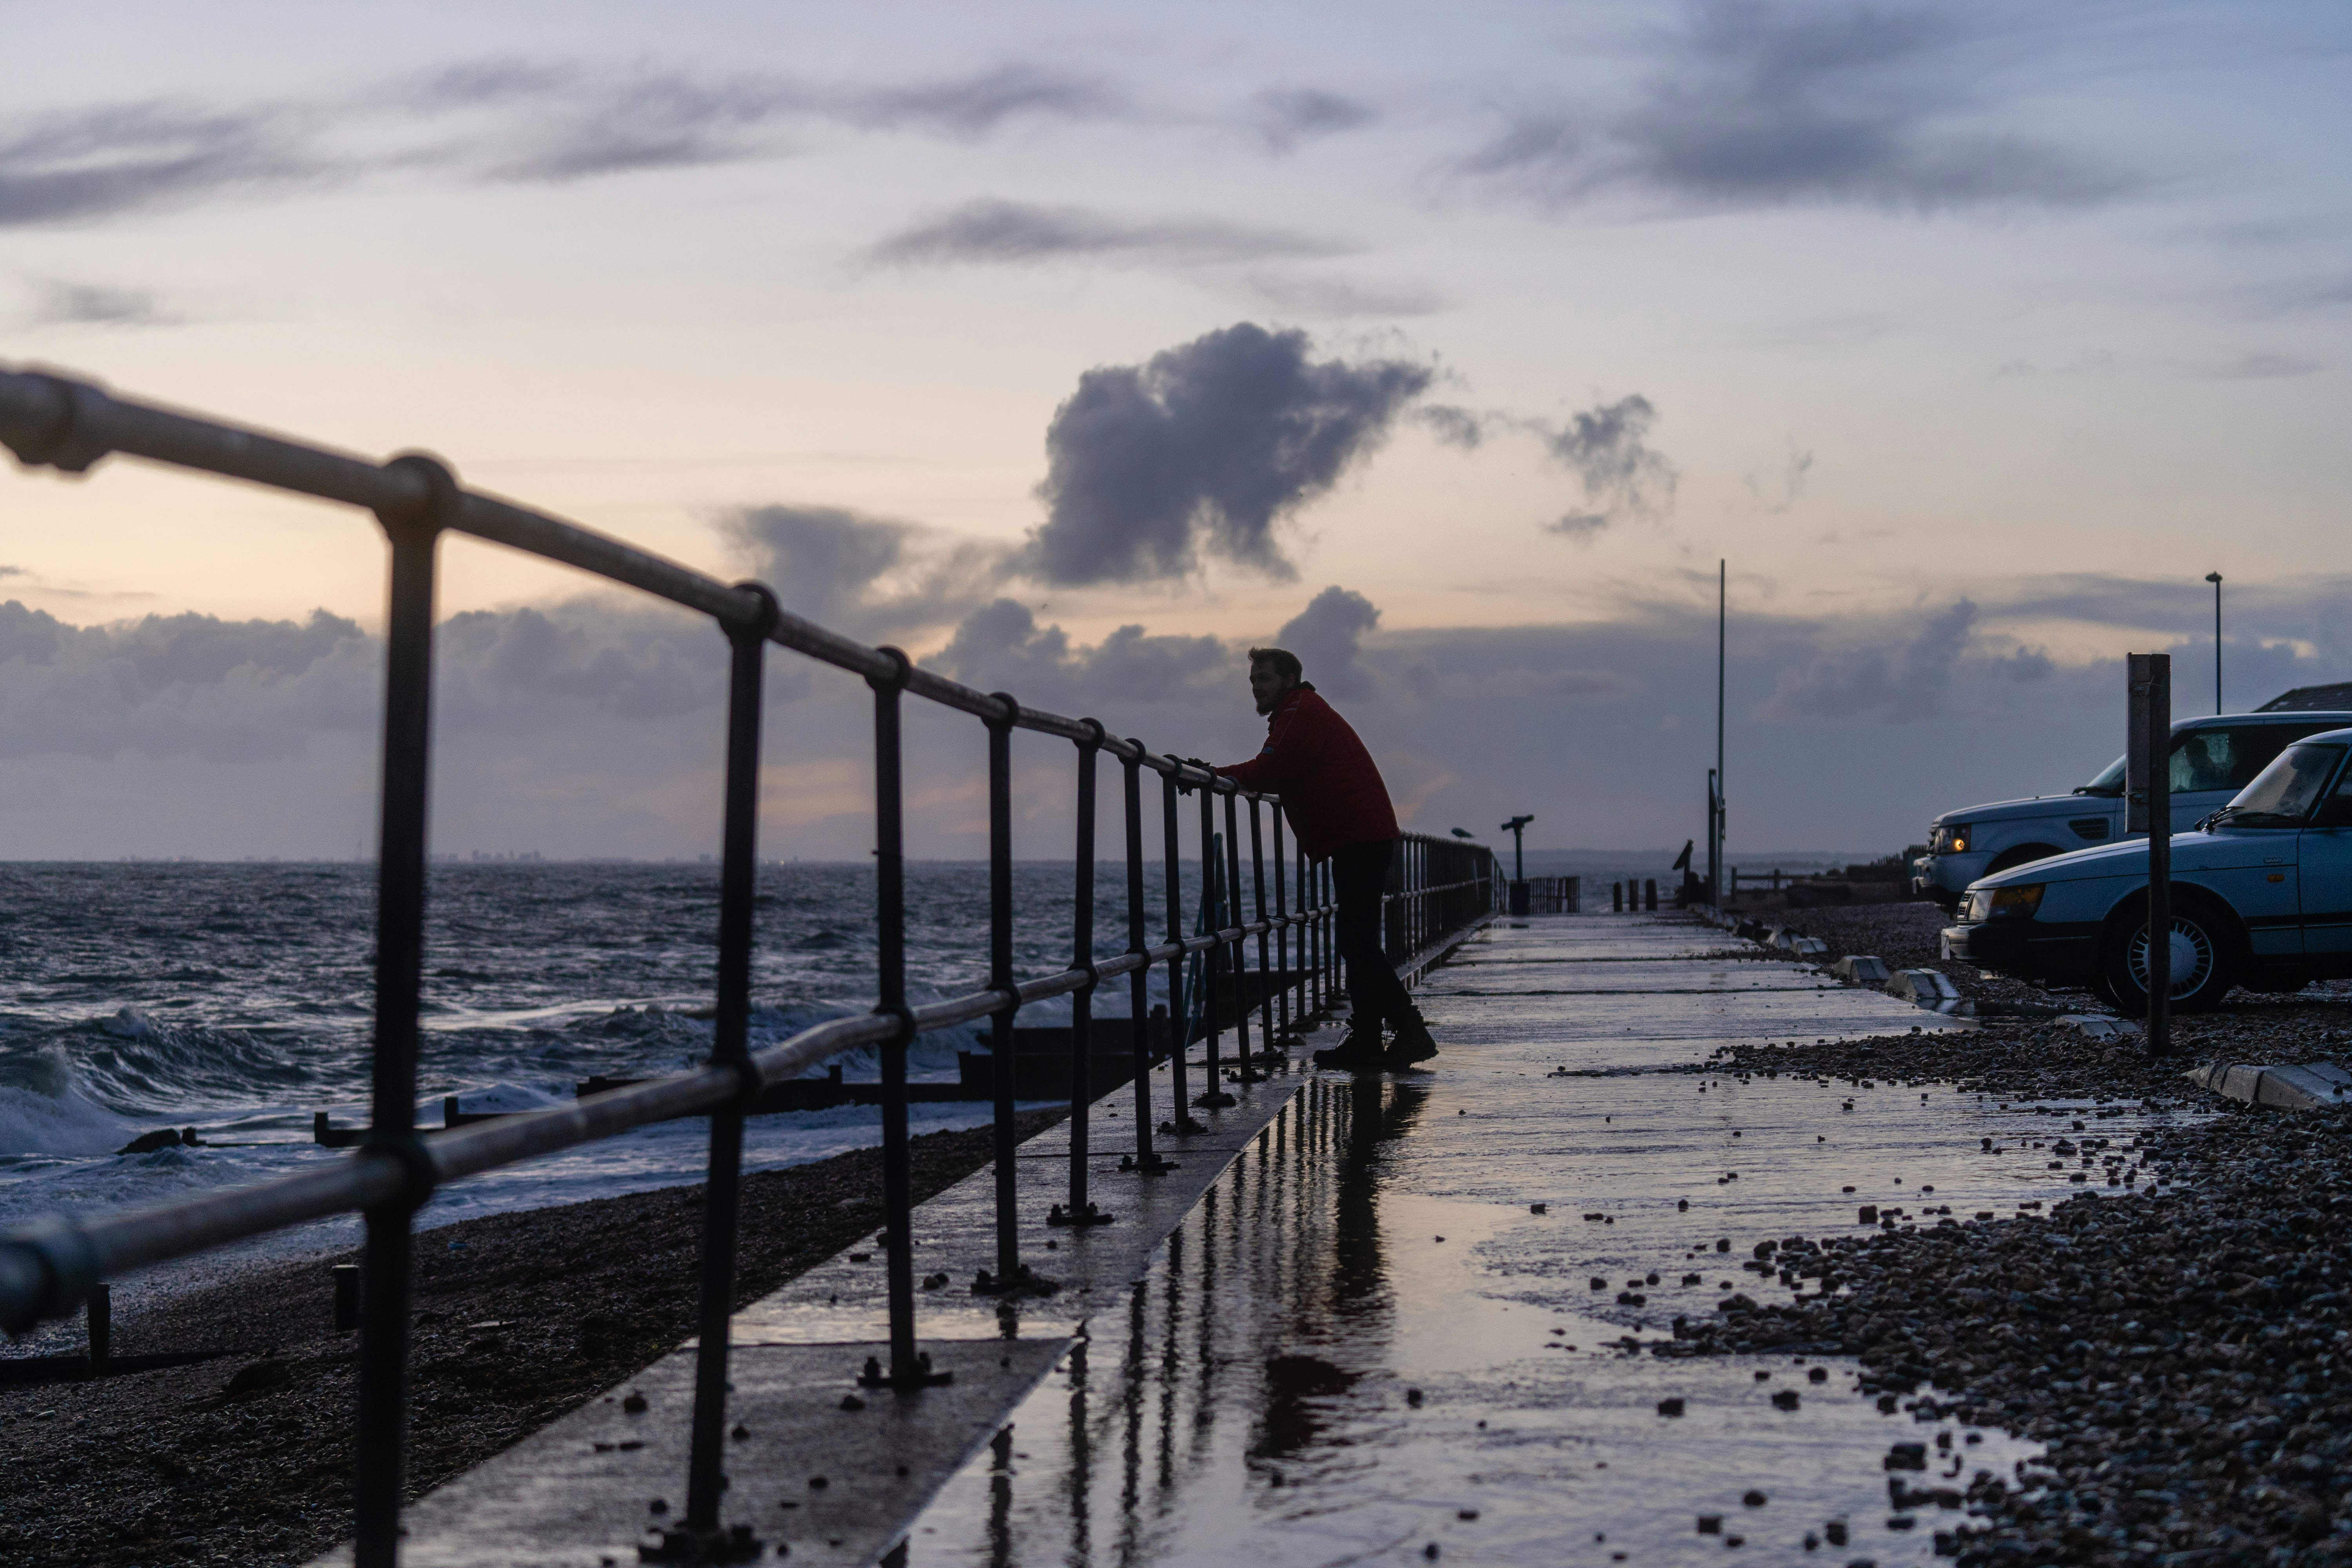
1286, 663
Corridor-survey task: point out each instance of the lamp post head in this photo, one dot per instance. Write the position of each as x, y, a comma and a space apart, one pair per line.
2214, 578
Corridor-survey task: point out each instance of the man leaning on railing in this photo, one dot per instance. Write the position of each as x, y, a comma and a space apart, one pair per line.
1332, 793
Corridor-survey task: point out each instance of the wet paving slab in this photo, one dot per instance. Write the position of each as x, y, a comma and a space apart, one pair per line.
1413, 1321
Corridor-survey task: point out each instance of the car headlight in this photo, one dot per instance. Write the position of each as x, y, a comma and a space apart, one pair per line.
1952, 838
2010, 903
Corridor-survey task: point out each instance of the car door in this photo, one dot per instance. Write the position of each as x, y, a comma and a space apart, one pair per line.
2324, 854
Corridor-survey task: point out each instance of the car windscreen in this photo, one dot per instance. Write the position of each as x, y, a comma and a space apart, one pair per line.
2287, 789
2109, 782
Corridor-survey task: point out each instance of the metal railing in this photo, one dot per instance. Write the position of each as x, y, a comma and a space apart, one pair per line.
49, 1267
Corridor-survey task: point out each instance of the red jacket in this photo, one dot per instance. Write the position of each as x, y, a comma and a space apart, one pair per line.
1330, 791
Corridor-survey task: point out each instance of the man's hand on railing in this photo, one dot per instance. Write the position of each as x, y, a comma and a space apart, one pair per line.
1186, 785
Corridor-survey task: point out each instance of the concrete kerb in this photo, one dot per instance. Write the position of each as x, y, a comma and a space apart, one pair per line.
2308, 1087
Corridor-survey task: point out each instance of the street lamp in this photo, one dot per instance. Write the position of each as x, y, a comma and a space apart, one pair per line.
2215, 578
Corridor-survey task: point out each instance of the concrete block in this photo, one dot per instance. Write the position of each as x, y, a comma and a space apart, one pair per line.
1925, 987
1861, 969
2289, 1087
2099, 1026
1809, 947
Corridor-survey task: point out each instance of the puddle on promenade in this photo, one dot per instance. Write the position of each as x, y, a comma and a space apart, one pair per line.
1364, 1345
1255, 1397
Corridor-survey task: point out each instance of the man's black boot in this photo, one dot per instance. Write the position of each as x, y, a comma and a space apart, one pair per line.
1358, 1052
1411, 1045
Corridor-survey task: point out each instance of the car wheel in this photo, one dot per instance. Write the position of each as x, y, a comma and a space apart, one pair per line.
2200, 960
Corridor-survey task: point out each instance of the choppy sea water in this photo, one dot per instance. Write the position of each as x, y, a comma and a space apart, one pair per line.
237, 999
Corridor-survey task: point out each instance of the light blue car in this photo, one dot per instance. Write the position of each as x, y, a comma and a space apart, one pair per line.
2261, 897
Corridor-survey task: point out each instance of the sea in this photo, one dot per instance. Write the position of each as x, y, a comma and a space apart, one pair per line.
237, 999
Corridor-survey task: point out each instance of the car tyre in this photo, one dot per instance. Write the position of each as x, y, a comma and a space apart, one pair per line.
2201, 937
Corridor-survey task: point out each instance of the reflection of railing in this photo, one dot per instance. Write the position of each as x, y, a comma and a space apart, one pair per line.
47, 1268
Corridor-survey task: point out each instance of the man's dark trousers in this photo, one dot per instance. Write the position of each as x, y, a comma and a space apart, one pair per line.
1359, 876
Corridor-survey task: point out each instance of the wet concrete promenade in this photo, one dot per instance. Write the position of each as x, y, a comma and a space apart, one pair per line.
1344, 1332
1363, 1347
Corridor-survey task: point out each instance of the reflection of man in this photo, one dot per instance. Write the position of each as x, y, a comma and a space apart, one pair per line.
1332, 793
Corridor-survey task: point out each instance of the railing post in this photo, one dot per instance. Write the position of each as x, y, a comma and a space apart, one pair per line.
1081, 1210
1240, 943
1282, 933
380, 1476
1008, 1275
1182, 1122
729, 1046
909, 1369
1139, 991
1214, 898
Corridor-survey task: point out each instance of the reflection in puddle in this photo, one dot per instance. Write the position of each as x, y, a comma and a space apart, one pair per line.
1325, 1366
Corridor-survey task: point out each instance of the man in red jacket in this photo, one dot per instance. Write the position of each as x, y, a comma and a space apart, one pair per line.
1340, 809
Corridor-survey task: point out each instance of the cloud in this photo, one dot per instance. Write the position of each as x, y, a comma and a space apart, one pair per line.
1000, 647
498, 121
1796, 470
1286, 119
1606, 448
972, 106
1327, 637
1325, 294
2255, 365
1901, 680
1017, 232
1455, 426
59, 303
117, 158
1579, 527
877, 578
1202, 451
1753, 105
13, 572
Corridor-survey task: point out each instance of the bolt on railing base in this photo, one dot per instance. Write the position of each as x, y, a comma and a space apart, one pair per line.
700, 1546
1154, 1166
1022, 1281
1184, 1129
1214, 1099
1059, 1216
904, 1383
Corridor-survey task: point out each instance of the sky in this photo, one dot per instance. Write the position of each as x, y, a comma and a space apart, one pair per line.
1077, 348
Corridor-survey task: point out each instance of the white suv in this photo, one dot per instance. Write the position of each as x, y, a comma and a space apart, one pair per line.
2212, 760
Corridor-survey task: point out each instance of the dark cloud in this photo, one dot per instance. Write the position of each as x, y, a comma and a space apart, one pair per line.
59, 303
999, 232
1463, 427
1606, 448
13, 572
184, 684
1288, 118
1328, 636
1202, 451
1903, 678
1847, 101
1000, 647
869, 576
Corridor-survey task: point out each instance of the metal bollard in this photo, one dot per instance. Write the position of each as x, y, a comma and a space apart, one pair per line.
347, 1297
1650, 895
1616, 898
